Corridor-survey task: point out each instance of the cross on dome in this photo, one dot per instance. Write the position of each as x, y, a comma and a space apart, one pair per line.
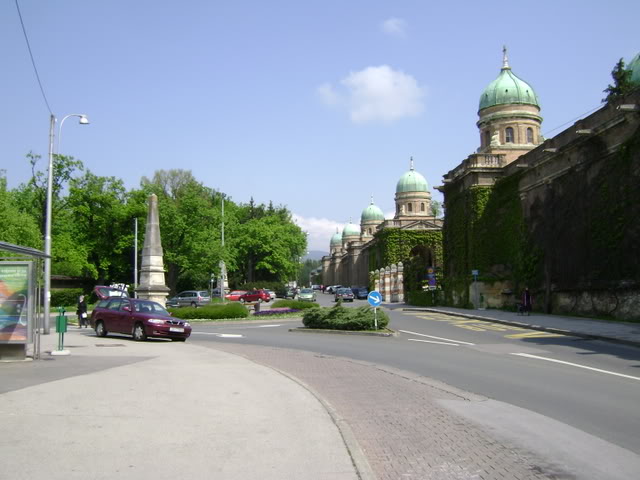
505, 58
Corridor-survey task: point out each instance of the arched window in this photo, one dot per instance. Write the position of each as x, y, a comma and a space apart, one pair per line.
409, 207
529, 135
508, 135
422, 207
487, 138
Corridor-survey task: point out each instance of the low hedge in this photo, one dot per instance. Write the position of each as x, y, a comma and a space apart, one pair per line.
427, 298
341, 318
65, 297
298, 305
212, 312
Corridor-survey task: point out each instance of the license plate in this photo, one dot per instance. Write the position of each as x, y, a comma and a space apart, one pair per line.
176, 329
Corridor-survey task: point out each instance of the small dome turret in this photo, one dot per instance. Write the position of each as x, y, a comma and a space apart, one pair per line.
336, 239
634, 66
412, 181
371, 213
350, 230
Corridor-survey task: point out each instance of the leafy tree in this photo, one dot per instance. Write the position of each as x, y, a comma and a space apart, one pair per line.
621, 82
436, 208
16, 226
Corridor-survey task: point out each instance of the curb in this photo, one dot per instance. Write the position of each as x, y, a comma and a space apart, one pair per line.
344, 332
586, 336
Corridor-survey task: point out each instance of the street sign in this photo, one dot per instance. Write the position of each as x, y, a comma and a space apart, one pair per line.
474, 273
374, 298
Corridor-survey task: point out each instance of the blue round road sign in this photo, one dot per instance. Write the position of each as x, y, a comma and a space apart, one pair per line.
374, 298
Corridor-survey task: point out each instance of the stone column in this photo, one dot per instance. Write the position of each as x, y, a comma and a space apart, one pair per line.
152, 283
400, 282
386, 287
394, 283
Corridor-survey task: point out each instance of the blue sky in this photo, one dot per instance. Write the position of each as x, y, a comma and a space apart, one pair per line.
315, 105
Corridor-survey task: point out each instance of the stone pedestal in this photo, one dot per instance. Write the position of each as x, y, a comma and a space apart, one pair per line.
152, 282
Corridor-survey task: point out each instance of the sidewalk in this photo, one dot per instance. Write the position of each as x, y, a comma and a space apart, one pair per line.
116, 408
619, 332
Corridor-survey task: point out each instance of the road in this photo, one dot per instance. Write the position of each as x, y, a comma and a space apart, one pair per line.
590, 386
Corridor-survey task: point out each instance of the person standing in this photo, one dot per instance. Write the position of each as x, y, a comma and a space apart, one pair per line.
527, 300
83, 319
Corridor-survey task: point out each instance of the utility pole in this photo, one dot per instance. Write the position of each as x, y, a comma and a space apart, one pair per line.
135, 257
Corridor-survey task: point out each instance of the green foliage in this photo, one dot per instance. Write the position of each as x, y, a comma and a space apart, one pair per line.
622, 84
341, 318
212, 312
65, 297
16, 225
395, 245
425, 298
298, 305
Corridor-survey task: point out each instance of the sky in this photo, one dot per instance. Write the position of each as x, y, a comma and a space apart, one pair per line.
314, 105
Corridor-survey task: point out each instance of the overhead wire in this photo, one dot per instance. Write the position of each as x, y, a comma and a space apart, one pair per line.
33, 62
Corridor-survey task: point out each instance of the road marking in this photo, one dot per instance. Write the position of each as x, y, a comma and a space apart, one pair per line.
222, 335
267, 326
528, 355
534, 335
437, 338
433, 341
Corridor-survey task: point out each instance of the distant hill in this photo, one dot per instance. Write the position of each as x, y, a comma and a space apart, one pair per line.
314, 255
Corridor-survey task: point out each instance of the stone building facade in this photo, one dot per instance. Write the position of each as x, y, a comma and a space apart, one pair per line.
558, 215
354, 256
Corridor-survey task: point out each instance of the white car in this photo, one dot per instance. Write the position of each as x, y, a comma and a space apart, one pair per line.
272, 294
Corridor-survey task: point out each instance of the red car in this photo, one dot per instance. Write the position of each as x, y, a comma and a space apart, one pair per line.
235, 295
136, 317
255, 296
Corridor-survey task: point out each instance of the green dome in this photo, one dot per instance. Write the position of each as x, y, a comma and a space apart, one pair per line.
634, 66
372, 212
412, 181
350, 230
508, 89
336, 239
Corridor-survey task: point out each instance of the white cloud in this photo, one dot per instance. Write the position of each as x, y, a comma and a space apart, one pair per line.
396, 27
376, 94
320, 230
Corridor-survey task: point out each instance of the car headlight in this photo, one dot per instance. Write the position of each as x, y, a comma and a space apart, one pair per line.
187, 324
156, 321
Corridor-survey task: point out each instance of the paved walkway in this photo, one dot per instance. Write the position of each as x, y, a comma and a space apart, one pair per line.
115, 408
619, 332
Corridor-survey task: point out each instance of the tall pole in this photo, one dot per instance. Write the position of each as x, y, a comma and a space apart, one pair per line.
47, 233
223, 268
135, 256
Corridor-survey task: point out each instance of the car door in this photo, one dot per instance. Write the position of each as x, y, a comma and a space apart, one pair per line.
126, 317
111, 316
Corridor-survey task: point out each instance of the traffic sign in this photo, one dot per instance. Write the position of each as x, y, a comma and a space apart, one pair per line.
374, 298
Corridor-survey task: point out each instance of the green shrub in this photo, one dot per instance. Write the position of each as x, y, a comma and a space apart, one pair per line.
294, 304
65, 297
425, 298
213, 312
341, 318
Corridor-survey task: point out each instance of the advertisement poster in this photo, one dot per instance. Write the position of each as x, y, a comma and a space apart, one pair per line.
14, 301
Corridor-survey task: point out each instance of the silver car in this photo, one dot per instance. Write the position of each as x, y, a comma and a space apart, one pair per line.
192, 298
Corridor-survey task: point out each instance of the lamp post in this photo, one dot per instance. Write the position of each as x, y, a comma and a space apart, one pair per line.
47, 225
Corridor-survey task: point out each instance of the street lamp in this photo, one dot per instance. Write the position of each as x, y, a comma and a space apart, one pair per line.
47, 227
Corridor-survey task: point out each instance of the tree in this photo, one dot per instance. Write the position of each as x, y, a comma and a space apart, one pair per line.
436, 208
621, 82
16, 226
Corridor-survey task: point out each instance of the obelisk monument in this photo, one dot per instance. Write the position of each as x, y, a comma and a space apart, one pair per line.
152, 286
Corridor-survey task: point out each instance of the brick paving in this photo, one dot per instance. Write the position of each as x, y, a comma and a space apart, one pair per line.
397, 422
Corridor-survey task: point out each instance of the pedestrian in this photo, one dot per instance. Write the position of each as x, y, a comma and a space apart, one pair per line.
82, 313
527, 300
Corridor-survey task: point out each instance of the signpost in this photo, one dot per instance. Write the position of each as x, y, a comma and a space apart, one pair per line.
375, 299
475, 286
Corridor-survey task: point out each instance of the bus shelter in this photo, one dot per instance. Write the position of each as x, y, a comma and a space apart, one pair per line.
21, 317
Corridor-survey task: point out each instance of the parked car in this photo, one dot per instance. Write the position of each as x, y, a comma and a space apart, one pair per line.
272, 294
137, 317
344, 294
290, 293
332, 288
172, 302
316, 287
235, 295
361, 293
307, 295
216, 292
255, 296
193, 298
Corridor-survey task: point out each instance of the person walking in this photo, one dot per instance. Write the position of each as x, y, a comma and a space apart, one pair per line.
83, 319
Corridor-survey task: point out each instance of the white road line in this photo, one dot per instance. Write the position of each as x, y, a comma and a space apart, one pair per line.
267, 326
433, 341
575, 365
222, 335
437, 338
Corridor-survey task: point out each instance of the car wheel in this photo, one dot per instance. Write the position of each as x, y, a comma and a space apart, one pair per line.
242, 300
259, 300
100, 330
139, 334
194, 304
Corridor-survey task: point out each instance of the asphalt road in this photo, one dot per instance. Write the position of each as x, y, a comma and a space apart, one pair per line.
592, 386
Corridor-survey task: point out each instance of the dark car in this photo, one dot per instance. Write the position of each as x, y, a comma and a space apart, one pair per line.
255, 296
137, 317
361, 293
344, 294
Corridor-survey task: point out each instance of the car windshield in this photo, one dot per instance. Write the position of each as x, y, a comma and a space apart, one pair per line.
344, 290
306, 290
146, 306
